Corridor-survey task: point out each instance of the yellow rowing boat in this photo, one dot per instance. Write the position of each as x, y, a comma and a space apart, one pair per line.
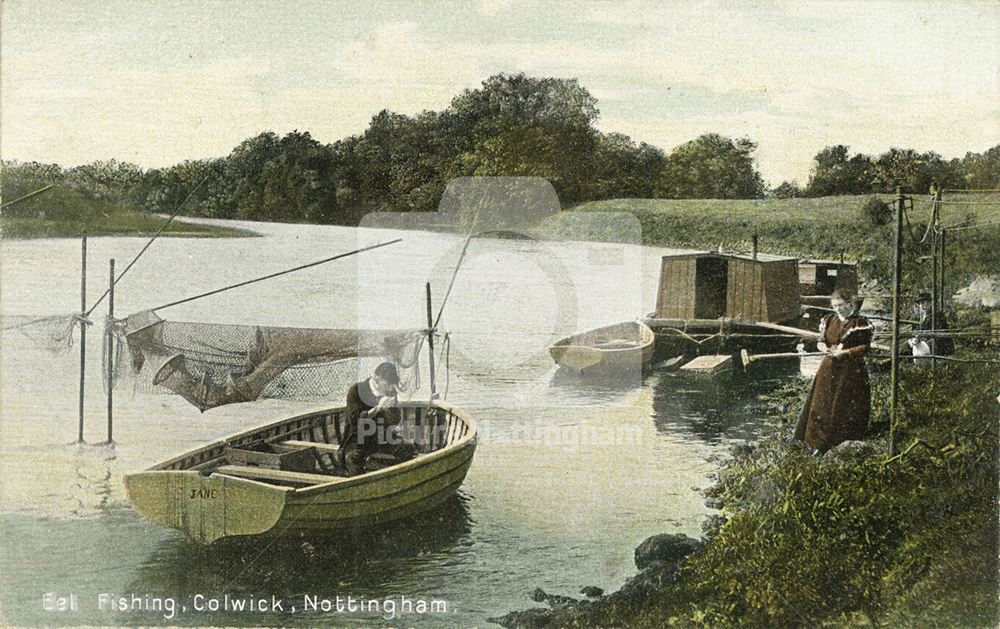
285, 477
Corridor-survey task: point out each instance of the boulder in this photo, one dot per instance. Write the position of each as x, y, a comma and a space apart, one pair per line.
591, 591
666, 547
852, 451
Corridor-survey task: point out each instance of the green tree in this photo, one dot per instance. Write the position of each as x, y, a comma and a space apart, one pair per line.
835, 172
514, 124
979, 171
623, 169
788, 190
712, 167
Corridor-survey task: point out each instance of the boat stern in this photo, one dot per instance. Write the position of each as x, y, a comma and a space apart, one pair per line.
206, 508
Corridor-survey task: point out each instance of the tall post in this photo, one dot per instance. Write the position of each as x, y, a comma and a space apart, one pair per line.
430, 339
754, 247
896, 281
934, 275
83, 330
941, 293
111, 348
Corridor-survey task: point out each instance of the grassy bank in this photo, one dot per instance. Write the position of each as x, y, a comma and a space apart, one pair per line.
64, 213
860, 538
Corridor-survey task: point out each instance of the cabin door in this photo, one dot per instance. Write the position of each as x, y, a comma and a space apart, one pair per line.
711, 282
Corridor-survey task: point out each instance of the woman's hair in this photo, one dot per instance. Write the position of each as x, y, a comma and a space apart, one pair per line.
844, 295
387, 371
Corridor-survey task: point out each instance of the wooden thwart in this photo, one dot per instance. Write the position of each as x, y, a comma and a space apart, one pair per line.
300, 478
320, 447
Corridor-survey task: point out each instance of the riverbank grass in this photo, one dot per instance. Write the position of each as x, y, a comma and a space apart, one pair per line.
65, 213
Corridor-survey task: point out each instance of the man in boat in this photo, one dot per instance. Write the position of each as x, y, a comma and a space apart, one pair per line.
838, 406
921, 344
371, 405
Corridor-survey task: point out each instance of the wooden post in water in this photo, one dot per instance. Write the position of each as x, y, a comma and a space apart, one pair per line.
430, 340
83, 330
896, 281
109, 331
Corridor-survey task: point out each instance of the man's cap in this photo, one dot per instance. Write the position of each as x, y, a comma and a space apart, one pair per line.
922, 297
387, 371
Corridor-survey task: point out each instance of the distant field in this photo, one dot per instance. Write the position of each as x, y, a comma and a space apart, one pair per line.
777, 211
825, 227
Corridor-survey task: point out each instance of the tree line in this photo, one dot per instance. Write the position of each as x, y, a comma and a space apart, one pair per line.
512, 125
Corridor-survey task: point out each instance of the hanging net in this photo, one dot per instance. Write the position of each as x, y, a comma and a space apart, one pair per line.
52, 333
211, 364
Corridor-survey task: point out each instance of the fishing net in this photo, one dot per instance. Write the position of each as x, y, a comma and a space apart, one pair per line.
52, 333
211, 364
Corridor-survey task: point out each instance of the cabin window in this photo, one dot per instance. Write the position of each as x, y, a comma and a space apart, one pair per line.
712, 279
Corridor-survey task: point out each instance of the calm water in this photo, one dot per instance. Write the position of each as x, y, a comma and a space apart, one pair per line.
542, 505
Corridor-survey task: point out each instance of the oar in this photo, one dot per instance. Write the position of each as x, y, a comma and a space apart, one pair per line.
746, 358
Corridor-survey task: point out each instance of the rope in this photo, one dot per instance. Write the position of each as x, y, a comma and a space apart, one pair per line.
273, 275
962, 360
931, 221
969, 202
909, 228
973, 226
446, 353
155, 236
970, 190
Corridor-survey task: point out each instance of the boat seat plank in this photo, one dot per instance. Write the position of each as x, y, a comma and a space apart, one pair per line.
320, 447
302, 478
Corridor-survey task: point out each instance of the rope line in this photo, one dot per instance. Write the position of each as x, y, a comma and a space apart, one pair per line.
973, 226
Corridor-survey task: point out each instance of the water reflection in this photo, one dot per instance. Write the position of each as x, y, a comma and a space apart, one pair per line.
92, 490
611, 382
713, 408
363, 560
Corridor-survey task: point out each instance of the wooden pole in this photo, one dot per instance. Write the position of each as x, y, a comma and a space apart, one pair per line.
896, 281
941, 293
430, 339
934, 278
83, 331
111, 348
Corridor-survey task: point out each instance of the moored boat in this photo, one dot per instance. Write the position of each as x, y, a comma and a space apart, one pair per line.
613, 348
286, 477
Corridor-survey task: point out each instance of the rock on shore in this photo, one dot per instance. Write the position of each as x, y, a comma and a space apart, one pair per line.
658, 558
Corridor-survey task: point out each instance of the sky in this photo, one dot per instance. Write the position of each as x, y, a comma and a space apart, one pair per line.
156, 83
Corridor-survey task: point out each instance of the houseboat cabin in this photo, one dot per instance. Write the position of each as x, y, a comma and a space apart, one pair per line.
725, 285
822, 277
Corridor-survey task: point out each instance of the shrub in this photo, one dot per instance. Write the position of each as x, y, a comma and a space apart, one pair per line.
876, 211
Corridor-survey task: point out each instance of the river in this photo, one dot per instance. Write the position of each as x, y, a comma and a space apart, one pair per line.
541, 506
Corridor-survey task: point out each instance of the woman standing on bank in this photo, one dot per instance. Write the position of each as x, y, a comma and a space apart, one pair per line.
839, 403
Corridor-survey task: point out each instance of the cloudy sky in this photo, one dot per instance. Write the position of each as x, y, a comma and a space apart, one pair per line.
159, 82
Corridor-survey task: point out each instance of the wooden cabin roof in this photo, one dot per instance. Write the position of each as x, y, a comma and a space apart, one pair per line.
825, 262
761, 257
